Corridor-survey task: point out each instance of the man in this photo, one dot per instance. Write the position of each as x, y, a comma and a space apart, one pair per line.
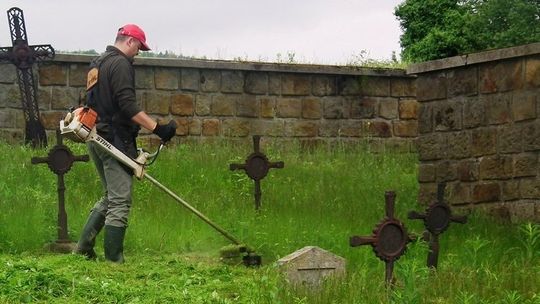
111, 93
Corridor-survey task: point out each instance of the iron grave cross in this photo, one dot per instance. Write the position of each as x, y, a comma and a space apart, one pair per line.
436, 220
389, 239
60, 159
23, 57
257, 167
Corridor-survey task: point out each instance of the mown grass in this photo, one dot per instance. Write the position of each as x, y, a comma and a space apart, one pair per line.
320, 198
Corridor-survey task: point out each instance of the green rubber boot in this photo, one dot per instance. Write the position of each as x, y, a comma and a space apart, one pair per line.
87, 241
114, 243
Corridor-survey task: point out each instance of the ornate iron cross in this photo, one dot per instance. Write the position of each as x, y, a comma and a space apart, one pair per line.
436, 220
257, 167
23, 57
389, 239
60, 159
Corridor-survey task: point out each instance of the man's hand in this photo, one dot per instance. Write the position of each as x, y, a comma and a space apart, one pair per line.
165, 132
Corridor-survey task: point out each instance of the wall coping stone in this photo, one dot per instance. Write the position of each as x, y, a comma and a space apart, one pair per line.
474, 58
247, 66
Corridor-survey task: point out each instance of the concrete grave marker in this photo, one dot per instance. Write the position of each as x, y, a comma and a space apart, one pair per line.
310, 265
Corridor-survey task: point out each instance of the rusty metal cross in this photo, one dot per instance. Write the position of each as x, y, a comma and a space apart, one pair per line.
60, 159
389, 239
257, 167
23, 57
436, 219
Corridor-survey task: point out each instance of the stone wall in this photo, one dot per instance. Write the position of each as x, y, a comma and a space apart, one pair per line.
479, 130
218, 99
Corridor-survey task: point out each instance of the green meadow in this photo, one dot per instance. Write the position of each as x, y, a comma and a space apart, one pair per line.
321, 197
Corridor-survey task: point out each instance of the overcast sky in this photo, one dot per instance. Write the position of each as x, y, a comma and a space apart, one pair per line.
315, 31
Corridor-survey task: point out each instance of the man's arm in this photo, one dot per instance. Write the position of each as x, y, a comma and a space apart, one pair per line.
144, 120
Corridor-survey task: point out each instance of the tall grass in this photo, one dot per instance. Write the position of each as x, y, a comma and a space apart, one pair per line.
321, 197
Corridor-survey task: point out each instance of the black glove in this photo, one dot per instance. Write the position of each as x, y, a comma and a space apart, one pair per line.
165, 132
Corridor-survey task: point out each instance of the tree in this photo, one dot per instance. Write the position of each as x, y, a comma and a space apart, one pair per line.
434, 29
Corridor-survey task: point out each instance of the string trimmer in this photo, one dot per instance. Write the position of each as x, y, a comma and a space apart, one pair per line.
79, 126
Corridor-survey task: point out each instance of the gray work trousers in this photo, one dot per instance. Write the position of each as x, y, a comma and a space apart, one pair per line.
117, 187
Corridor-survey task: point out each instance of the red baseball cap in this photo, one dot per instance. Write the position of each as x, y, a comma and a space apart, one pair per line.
136, 32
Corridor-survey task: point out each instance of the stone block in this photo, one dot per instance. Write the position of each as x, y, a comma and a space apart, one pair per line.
144, 78
523, 106
529, 188
10, 96
484, 141
8, 73
190, 79
274, 128
523, 210
363, 107
486, 192
52, 74
330, 128
531, 136
405, 128
426, 172
425, 118
388, 108
459, 145
349, 85
311, 266
498, 108
182, 126
202, 104
247, 106
268, 107
501, 76
77, 75
64, 98
301, 128
7, 118
211, 127
195, 127
376, 86
447, 116
274, 84
446, 171
324, 85
403, 87
431, 146
408, 109
496, 167
431, 86
51, 119
467, 170
210, 80
427, 193
166, 78
459, 194
256, 83
510, 190
311, 108
352, 128
295, 84
462, 81
335, 108
510, 138
232, 81
288, 107
156, 102
532, 72
525, 164
474, 112
223, 105
379, 128
235, 127
182, 104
